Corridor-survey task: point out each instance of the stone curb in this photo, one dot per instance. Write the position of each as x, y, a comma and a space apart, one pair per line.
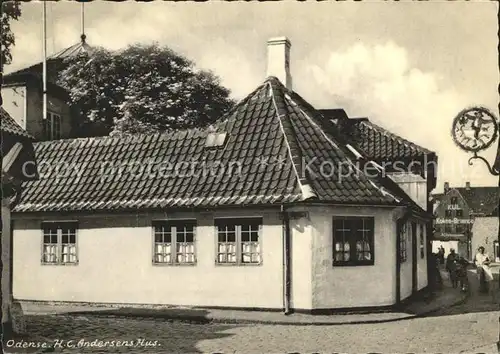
220, 320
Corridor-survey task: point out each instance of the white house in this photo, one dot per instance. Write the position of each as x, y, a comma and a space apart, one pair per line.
274, 208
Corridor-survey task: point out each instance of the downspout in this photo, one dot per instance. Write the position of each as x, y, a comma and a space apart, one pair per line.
286, 261
399, 226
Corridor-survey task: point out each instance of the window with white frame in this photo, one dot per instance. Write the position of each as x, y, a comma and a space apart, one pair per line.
174, 242
353, 239
52, 126
59, 243
422, 242
238, 241
403, 243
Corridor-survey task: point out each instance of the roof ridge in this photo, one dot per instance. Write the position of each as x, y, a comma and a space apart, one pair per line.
129, 137
294, 151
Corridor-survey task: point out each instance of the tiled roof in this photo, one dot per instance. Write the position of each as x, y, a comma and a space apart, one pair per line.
12, 134
72, 51
276, 152
34, 71
10, 126
380, 144
482, 200
55, 63
376, 142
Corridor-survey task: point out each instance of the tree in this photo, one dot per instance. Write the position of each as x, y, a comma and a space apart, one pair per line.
11, 10
144, 88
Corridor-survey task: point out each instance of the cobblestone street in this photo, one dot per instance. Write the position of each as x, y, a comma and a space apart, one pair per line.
447, 333
470, 327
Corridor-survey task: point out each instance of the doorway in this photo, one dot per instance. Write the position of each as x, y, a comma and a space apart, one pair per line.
414, 258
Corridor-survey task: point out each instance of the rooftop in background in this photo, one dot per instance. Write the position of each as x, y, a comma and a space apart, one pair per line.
482, 200
53, 62
73, 51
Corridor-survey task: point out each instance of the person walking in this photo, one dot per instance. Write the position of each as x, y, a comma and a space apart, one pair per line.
463, 280
482, 262
451, 267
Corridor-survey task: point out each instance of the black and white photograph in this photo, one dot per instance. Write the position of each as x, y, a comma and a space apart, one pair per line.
250, 177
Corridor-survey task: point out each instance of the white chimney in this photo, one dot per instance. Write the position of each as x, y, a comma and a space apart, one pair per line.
278, 60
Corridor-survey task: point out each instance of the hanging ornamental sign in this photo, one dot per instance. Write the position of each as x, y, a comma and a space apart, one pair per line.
475, 129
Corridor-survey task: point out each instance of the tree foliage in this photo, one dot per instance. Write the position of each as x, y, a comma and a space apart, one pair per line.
142, 89
11, 10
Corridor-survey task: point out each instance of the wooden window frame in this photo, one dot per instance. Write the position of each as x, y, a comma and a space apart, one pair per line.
448, 228
59, 227
453, 200
352, 239
173, 225
51, 131
403, 243
459, 213
238, 224
422, 241
448, 213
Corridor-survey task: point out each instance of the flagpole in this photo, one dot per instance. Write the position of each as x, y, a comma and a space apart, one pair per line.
44, 77
83, 23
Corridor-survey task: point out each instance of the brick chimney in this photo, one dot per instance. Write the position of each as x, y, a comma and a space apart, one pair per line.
467, 185
446, 186
278, 60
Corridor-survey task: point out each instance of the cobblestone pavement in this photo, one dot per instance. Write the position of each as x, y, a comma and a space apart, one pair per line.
471, 327
445, 334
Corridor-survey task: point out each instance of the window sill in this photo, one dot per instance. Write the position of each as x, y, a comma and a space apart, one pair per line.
173, 264
353, 264
60, 264
238, 264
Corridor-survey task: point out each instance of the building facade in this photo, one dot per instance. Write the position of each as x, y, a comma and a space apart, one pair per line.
467, 218
22, 93
272, 208
23, 100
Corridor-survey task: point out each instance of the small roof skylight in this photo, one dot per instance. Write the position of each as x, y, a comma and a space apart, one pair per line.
215, 140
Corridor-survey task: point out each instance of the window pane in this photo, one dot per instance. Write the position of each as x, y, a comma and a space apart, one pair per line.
341, 234
245, 236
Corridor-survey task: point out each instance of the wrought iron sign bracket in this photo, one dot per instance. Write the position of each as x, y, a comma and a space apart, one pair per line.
492, 170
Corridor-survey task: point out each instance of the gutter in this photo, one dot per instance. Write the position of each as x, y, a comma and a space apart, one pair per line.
286, 261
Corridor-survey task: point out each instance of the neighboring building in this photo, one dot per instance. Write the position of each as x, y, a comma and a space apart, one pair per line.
273, 208
18, 164
466, 218
22, 93
22, 96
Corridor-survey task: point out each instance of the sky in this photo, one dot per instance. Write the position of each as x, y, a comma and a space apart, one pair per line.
409, 66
